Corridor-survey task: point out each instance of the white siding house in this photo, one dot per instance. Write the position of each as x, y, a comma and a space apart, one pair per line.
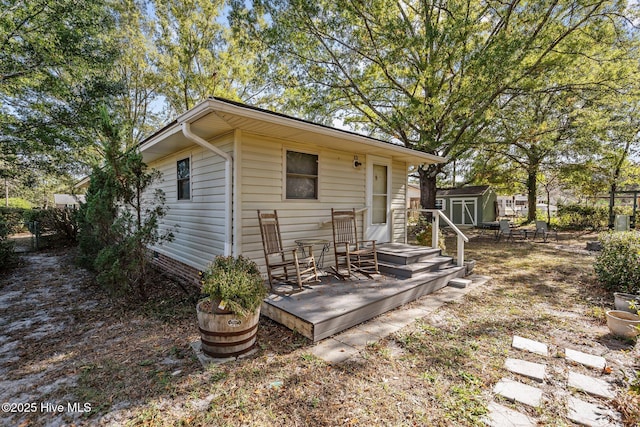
222, 161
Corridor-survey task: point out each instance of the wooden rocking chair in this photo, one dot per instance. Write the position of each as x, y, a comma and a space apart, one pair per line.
349, 251
281, 268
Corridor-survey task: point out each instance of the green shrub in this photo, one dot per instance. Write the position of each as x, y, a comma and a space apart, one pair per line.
14, 219
7, 255
580, 217
618, 264
236, 282
120, 220
16, 202
62, 222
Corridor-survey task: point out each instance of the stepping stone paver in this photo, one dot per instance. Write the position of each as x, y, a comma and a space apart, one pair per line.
501, 416
530, 345
459, 283
591, 385
523, 393
590, 415
532, 370
355, 337
333, 351
596, 362
380, 329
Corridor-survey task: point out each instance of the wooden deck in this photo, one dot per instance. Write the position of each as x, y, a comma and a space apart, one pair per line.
329, 307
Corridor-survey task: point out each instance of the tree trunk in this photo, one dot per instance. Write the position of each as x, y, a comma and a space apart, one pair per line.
548, 207
428, 187
612, 202
532, 191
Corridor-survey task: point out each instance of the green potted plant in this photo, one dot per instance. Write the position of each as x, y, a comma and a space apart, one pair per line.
228, 314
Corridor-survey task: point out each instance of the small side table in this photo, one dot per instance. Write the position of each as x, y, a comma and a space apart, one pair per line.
302, 243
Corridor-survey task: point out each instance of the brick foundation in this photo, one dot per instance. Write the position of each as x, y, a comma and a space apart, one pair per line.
176, 269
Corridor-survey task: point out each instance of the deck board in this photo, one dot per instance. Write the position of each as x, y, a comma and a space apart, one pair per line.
332, 306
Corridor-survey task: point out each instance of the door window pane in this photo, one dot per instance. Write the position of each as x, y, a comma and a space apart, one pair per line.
379, 179
379, 200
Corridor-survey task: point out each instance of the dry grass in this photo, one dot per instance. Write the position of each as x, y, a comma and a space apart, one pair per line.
139, 370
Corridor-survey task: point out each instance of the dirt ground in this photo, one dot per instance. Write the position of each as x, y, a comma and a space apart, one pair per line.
71, 355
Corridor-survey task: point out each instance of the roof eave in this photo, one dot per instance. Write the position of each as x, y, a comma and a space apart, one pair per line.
214, 105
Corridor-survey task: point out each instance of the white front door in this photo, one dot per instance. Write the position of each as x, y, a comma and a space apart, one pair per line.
378, 224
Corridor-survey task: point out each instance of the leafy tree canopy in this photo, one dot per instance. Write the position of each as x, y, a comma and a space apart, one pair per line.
432, 75
53, 61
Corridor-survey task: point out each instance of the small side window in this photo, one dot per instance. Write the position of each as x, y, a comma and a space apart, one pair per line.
184, 180
302, 176
440, 204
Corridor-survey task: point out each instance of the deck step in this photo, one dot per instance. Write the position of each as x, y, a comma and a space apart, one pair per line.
435, 263
398, 253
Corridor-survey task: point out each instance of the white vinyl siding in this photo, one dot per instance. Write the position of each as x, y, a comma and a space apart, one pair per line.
260, 165
399, 172
340, 186
199, 236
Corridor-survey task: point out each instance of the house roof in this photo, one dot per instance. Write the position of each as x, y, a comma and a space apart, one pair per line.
68, 199
217, 116
472, 190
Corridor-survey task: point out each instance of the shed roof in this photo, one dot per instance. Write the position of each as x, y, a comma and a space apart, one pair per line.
216, 116
472, 190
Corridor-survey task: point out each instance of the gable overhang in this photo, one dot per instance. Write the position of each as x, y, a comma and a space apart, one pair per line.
214, 117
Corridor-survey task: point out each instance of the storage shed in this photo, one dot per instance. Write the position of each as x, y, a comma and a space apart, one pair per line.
472, 205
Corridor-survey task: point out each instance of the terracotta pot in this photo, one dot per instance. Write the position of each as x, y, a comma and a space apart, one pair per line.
623, 323
622, 300
224, 334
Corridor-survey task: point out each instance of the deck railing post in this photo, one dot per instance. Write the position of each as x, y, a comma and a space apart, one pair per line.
406, 225
434, 229
460, 251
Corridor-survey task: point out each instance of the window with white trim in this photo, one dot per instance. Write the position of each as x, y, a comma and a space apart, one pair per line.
440, 205
184, 179
302, 176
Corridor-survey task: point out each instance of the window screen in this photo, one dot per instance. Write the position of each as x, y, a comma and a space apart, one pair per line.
302, 175
184, 181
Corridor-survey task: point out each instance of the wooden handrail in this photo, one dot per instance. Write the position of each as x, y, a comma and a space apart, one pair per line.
437, 214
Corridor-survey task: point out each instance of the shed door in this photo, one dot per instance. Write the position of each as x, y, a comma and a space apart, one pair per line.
378, 199
464, 211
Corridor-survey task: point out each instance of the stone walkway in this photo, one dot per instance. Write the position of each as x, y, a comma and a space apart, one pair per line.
573, 389
349, 343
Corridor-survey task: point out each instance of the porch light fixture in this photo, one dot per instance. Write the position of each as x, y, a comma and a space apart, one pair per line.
356, 163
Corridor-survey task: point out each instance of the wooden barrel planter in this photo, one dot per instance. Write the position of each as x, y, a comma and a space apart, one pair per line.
224, 334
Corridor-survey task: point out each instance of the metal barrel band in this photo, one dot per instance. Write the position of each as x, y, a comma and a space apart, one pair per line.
227, 334
224, 355
227, 344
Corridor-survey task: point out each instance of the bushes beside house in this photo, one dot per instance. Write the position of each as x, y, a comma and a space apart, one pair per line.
618, 264
120, 218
